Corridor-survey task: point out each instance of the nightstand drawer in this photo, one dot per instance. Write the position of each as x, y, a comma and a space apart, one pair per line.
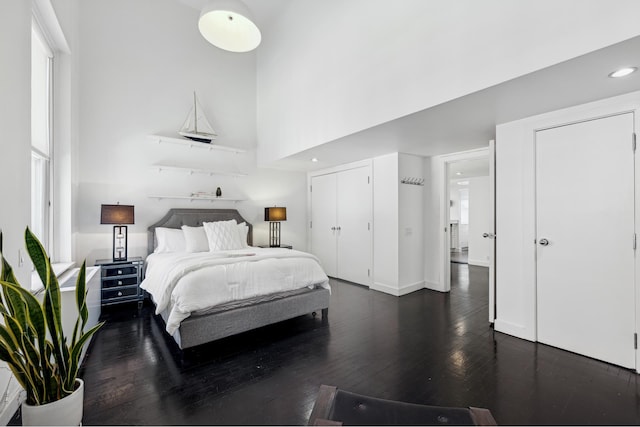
120, 281
108, 294
120, 271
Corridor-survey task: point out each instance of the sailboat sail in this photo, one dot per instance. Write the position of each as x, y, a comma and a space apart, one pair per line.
196, 126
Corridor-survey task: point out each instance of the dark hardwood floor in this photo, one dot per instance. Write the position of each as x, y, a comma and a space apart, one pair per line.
425, 347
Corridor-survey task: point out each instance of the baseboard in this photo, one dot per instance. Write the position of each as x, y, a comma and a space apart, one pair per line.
407, 289
434, 286
478, 262
398, 292
381, 287
513, 329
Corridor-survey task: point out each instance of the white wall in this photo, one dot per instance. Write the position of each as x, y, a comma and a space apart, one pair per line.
515, 209
479, 221
385, 223
326, 70
15, 153
15, 122
136, 72
410, 225
398, 239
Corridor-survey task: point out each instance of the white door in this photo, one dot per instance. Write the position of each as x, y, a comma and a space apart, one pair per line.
323, 222
490, 234
354, 225
585, 231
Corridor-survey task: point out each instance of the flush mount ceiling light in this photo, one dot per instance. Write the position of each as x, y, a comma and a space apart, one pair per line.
228, 24
623, 72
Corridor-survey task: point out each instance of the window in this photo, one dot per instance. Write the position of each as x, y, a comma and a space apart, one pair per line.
464, 206
41, 136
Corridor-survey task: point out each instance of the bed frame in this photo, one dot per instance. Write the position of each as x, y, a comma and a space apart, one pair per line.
202, 328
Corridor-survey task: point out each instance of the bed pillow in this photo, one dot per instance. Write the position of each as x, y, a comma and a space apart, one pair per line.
170, 240
243, 231
223, 235
195, 239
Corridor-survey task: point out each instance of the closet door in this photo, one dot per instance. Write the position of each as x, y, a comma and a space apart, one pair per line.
323, 221
585, 229
354, 225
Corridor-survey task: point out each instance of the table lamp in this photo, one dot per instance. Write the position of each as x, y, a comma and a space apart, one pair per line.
118, 215
274, 215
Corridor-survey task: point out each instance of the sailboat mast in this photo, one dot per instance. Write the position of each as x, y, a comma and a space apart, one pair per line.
195, 111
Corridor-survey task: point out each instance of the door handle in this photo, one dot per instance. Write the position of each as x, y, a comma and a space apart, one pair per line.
544, 242
333, 229
338, 228
488, 235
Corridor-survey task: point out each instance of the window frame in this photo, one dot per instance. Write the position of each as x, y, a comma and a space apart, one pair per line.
48, 176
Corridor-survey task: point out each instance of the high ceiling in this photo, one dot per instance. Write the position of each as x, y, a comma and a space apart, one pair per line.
468, 122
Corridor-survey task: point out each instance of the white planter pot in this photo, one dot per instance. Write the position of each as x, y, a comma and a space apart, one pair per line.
64, 412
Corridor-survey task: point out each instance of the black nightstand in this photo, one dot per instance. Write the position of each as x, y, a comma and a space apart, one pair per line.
281, 246
120, 280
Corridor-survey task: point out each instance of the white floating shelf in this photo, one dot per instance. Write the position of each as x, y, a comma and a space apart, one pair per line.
191, 171
198, 198
161, 139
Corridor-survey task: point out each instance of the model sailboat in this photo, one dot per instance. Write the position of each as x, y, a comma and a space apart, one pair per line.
196, 127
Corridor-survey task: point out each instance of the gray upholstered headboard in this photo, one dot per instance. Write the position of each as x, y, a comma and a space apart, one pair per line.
176, 218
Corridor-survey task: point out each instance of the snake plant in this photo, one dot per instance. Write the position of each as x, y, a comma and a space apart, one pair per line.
32, 340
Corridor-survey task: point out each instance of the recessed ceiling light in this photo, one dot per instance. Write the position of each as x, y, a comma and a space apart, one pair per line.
314, 160
458, 173
623, 72
463, 182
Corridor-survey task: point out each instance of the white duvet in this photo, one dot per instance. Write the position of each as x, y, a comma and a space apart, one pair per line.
188, 282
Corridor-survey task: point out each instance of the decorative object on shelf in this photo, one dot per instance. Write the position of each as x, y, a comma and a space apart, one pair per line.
196, 126
228, 25
412, 181
274, 215
33, 343
202, 194
218, 192
119, 215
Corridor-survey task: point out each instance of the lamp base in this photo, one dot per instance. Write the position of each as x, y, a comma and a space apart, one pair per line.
119, 243
274, 234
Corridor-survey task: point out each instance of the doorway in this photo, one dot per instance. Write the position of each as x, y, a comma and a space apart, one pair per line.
468, 216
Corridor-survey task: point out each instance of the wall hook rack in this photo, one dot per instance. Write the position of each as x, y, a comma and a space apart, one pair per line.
412, 181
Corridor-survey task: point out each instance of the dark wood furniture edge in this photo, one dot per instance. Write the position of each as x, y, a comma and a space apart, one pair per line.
322, 407
482, 417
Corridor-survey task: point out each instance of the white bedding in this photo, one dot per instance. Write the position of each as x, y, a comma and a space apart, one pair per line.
187, 282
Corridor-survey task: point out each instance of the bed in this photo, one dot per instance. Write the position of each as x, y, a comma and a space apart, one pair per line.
231, 314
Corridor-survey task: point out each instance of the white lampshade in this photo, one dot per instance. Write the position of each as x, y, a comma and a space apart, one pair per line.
228, 24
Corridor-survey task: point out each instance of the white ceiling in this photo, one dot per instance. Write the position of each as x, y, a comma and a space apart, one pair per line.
465, 169
468, 122
264, 11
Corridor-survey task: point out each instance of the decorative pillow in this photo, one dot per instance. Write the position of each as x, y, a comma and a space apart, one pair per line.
222, 235
195, 239
243, 231
170, 240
